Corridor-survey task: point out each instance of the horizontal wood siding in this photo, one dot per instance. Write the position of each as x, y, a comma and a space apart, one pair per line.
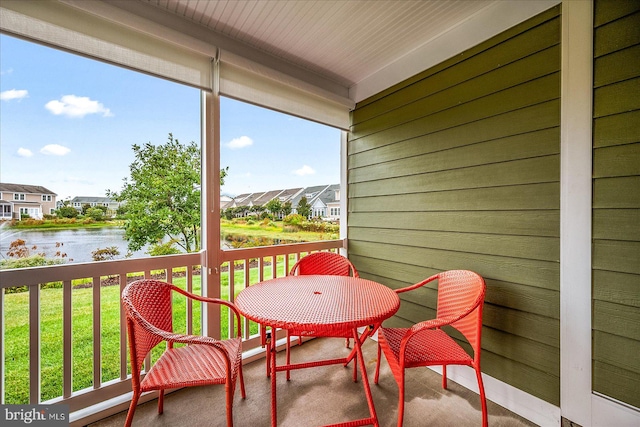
616, 201
459, 168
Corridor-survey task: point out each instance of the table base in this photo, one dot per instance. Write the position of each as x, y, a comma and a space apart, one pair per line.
355, 353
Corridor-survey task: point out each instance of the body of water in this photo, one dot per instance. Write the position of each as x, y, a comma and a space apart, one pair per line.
76, 243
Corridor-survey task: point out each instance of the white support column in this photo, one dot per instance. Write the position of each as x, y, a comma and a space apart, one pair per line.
344, 187
210, 215
575, 211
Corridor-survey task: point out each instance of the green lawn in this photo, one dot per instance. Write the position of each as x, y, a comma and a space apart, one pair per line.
16, 342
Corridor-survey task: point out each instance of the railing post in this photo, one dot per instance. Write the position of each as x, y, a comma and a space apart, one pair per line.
210, 220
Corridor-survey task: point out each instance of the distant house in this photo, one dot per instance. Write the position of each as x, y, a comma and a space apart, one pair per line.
79, 201
18, 200
323, 199
327, 204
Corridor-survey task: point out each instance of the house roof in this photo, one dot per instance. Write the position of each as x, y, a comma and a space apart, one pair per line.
90, 199
264, 198
311, 193
24, 188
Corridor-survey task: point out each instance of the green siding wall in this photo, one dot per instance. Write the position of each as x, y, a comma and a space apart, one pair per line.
459, 168
616, 201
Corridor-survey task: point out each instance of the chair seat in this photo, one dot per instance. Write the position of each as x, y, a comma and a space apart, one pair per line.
192, 365
428, 347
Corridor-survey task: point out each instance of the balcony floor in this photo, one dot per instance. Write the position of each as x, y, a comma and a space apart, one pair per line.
323, 395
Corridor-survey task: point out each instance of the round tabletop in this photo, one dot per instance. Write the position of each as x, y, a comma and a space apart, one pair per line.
318, 304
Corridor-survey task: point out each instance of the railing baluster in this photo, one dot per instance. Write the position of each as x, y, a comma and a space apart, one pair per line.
67, 333
232, 288
97, 339
188, 277
34, 344
123, 331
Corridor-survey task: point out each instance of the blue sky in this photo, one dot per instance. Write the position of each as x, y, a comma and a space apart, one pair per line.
68, 123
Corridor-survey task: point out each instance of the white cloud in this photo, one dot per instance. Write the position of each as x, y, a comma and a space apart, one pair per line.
8, 95
77, 106
54, 150
241, 142
8, 71
304, 170
24, 152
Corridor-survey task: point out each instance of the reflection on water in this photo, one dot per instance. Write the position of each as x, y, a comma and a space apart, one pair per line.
76, 243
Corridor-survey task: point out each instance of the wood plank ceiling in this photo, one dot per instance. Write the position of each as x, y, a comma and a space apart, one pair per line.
345, 41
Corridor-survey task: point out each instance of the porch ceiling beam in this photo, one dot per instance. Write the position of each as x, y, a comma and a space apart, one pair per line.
157, 22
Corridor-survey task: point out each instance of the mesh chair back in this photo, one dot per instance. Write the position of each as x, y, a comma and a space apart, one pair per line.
147, 300
460, 292
328, 263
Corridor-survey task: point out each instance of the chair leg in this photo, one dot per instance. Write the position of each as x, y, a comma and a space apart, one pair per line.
160, 401
401, 400
242, 392
444, 377
377, 375
483, 399
229, 399
267, 341
132, 409
289, 353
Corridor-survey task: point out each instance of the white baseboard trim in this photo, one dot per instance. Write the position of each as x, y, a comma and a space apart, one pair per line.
515, 400
606, 412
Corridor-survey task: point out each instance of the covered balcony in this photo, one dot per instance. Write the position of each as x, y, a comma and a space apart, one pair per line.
501, 137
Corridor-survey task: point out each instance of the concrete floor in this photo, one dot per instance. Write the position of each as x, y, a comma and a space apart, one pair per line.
321, 396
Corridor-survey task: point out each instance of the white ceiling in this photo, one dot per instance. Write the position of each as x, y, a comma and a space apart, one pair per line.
344, 40
361, 45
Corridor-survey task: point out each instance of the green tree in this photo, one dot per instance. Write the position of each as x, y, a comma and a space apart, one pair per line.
95, 213
274, 206
85, 208
304, 208
163, 195
67, 211
286, 208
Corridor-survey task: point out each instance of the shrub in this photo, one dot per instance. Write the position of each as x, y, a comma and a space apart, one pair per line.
96, 214
105, 254
293, 219
67, 212
163, 249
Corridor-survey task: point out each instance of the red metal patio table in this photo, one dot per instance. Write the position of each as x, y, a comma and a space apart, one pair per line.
319, 305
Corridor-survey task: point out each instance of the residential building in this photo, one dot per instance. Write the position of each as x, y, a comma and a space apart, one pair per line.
18, 200
79, 201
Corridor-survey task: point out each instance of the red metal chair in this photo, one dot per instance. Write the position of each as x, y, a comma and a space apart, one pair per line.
204, 361
326, 263
460, 300
329, 263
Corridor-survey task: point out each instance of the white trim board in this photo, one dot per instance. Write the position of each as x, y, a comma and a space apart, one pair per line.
515, 400
607, 413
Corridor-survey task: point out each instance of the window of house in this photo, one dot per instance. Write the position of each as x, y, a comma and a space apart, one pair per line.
19, 196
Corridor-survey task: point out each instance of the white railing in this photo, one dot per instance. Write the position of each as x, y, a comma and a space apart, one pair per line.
109, 395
